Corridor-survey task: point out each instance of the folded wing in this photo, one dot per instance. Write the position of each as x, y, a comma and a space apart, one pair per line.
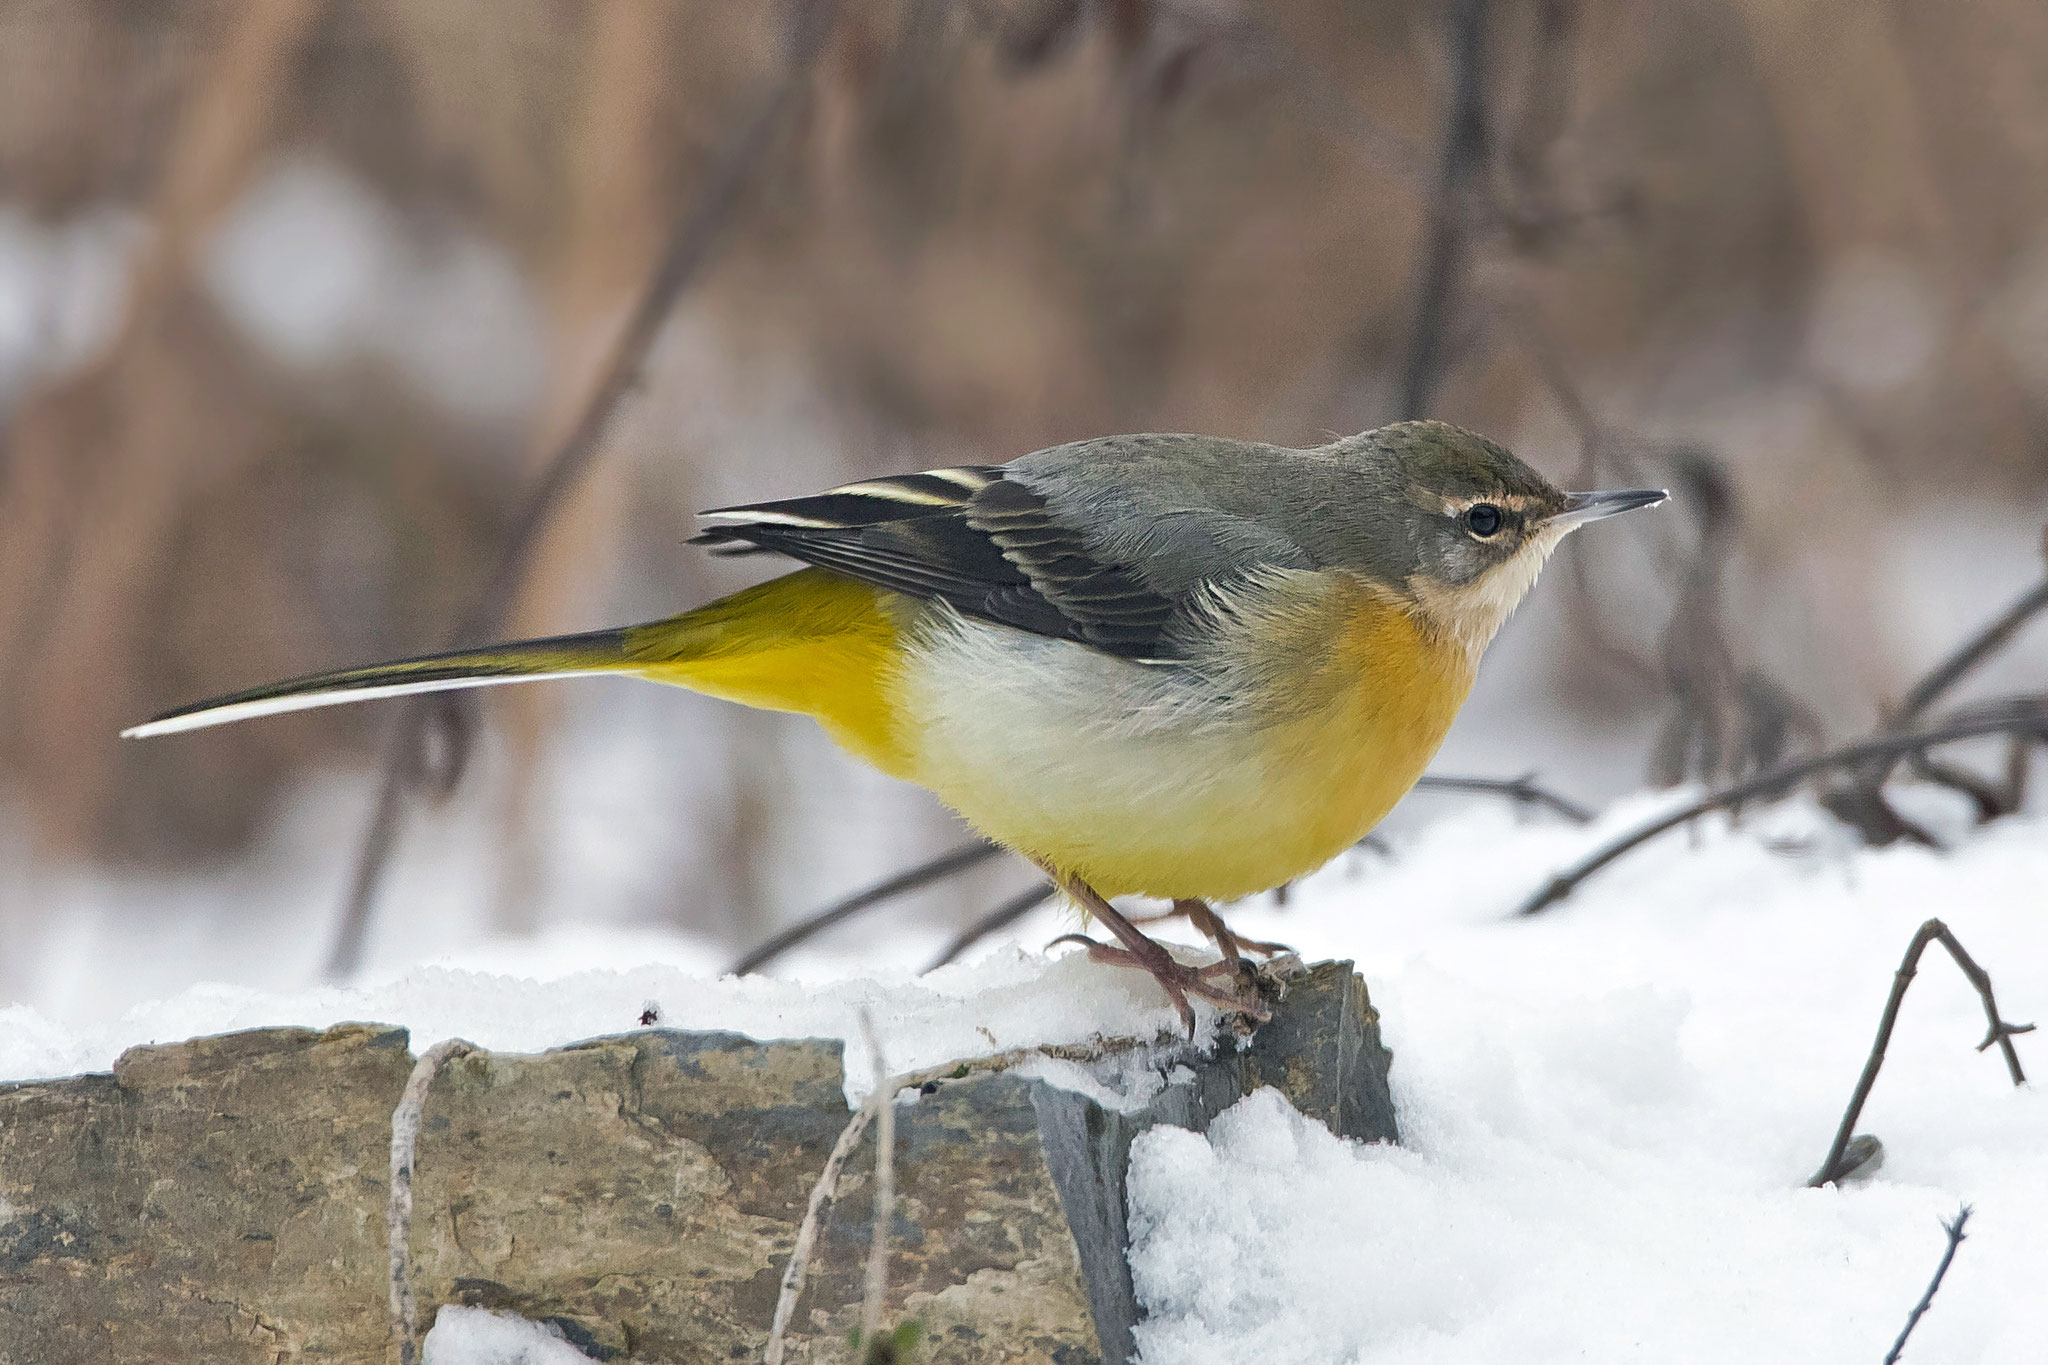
970, 537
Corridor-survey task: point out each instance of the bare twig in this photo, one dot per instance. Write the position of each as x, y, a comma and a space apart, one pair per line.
884, 1101
2021, 715
685, 256
1523, 791
1861, 799
795, 1274
1972, 652
1460, 181
1999, 1032
405, 1135
902, 884
994, 922
1954, 1228
822, 1193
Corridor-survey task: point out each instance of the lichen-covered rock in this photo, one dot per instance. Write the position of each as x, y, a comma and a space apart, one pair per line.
219, 1200
223, 1200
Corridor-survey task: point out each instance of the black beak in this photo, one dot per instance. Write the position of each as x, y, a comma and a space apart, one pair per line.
1584, 507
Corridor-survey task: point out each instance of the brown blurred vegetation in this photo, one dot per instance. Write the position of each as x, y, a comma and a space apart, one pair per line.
1793, 251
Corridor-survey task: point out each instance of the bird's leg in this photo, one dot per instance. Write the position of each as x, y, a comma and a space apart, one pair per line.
1178, 980
1210, 924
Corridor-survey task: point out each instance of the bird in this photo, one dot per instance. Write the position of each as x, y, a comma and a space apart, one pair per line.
1176, 666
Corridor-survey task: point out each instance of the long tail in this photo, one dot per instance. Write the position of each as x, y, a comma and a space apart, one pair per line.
809, 642
565, 656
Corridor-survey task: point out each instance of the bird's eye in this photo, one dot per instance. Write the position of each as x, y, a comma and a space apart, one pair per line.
1483, 520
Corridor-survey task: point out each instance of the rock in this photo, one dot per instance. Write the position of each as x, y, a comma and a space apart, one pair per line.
224, 1199
217, 1200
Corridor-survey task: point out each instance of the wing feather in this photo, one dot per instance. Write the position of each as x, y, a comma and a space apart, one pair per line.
971, 537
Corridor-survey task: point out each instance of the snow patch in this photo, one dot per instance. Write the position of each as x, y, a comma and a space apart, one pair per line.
478, 1336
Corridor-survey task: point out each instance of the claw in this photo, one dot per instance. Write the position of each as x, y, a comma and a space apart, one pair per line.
1175, 978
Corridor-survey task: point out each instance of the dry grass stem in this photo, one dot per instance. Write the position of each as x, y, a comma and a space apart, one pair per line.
885, 1192
405, 1135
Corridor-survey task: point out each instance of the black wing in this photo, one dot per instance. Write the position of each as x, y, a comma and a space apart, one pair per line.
970, 537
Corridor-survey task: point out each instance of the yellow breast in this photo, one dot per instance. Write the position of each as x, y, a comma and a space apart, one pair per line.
1142, 782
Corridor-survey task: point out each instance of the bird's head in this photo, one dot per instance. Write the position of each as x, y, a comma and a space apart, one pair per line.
1460, 527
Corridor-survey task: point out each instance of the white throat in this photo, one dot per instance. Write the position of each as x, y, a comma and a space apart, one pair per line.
1473, 613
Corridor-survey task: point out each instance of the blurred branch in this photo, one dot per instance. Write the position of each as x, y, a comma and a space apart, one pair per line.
2021, 715
688, 249
1460, 179
1861, 801
902, 884
1523, 791
1972, 652
1598, 446
1954, 1228
994, 922
2000, 1032
91, 466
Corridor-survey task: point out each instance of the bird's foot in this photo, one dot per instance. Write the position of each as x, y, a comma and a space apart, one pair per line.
1205, 919
1230, 984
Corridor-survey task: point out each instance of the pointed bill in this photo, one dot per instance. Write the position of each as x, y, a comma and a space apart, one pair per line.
1580, 508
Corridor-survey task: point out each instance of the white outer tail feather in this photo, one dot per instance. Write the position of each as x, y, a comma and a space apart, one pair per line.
338, 695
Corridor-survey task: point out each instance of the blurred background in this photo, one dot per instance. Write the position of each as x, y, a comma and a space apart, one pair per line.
303, 304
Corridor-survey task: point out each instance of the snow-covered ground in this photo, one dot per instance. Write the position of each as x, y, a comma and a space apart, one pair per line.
1609, 1112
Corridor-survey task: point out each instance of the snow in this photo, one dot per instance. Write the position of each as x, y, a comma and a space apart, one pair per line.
1609, 1111
478, 1336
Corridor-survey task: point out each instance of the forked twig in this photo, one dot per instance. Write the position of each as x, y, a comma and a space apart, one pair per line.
902, 884
2020, 715
405, 1136
1999, 1032
687, 251
1954, 1228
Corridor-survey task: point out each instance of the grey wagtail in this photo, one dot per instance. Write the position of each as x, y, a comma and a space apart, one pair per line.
1178, 666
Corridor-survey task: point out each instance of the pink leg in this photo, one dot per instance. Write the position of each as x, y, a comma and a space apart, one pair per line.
1177, 980
1205, 919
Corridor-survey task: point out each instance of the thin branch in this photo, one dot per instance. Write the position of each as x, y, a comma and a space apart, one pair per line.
1954, 1228
1972, 652
686, 254
1999, 1032
885, 1194
797, 1272
405, 1136
1523, 791
1460, 179
994, 922
1938, 682
2018, 715
902, 884
1864, 792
